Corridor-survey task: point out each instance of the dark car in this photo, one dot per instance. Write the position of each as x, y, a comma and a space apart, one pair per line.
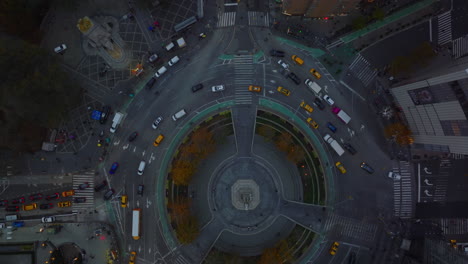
100, 186
350, 148
46, 206
54, 196
35, 197
150, 83
18, 224
331, 127
319, 103
294, 78
277, 53
18, 200
79, 200
133, 136
352, 258
3, 203
197, 87
104, 114
12, 208
140, 189
367, 168
114, 167
109, 194
83, 186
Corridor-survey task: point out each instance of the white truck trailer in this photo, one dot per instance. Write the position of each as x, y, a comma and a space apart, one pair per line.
341, 114
338, 149
314, 87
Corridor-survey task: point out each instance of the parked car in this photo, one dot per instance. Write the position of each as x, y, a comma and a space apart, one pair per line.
35, 197
312, 123
46, 206
64, 204
367, 168
100, 186
29, 207
109, 194
340, 167
217, 88
20, 200
283, 91
54, 196
150, 83
114, 167
140, 189
79, 200
61, 48
315, 73
307, 107
350, 148
104, 114
255, 88
328, 99
18, 224
49, 219
197, 87
283, 64
157, 122
12, 208
83, 186
331, 127
153, 57
133, 136
319, 103
68, 193
294, 78
277, 53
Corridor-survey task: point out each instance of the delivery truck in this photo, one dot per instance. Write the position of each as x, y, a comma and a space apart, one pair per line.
314, 87
341, 114
338, 149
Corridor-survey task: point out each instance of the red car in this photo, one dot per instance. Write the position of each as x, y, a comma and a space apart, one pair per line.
35, 197
54, 196
18, 200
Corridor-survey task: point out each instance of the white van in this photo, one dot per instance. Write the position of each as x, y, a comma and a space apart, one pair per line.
174, 61
161, 71
178, 115
141, 167
116, 121
170, 46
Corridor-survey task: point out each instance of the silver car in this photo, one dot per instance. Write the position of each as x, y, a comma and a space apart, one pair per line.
217, 88
157, 122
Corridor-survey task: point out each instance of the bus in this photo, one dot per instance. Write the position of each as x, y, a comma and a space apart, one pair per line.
136, 223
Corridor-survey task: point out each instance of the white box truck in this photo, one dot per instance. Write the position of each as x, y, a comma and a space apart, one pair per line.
181, 43
116, 122
178, 115
341, 114
314, 87
338, 149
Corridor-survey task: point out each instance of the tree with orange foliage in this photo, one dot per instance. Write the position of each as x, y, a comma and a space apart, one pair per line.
266, 131
400, 133
296, 154
187, 229
180, 209
284, 141
182, 171
278, 254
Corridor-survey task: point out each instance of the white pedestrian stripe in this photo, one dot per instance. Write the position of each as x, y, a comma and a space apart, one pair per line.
334, 44
349, 227
445, 28
88, 193
402, 191
460, 47
454, 226
227, 19
457, 156
361, 68
259, 19
244, 72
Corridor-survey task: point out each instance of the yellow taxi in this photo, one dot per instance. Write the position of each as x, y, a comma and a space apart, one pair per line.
284, 91
315, 73
334, 248
158, 140
340, 167
68, 193
307, 107
132, 257
254, 88
64, 204
297, 60
123, 201
453, 243
29, 207
312, 123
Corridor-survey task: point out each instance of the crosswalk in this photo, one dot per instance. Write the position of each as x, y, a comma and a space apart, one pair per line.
457, 226
460, 47
88, 193
457, 156
402, 191
361, 68
351, 228
444, 28
244, 72
226, 19
259, 19
441, 182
